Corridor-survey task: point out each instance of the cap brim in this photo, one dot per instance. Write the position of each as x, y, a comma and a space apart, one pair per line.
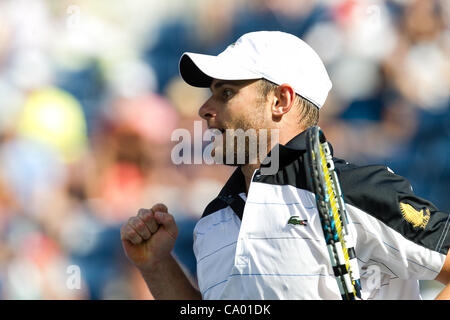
199, 70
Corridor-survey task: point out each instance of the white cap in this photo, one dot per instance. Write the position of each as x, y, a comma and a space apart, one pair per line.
276, 56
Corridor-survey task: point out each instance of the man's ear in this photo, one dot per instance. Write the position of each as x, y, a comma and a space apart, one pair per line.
283, 100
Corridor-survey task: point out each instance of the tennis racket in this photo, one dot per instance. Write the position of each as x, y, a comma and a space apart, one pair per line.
333, 216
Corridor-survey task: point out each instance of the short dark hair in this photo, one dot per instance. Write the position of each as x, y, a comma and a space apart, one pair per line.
309, 113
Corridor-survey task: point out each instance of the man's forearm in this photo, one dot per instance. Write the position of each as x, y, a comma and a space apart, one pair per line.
167, 281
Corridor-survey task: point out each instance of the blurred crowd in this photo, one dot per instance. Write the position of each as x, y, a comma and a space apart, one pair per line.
90, 95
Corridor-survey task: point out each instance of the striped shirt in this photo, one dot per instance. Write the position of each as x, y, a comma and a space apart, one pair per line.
246, 248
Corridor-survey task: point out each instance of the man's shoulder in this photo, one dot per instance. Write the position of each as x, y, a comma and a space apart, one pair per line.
373, 188
229, 195
367, 177
215, 205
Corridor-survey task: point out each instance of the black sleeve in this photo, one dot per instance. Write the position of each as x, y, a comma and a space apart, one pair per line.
390, 199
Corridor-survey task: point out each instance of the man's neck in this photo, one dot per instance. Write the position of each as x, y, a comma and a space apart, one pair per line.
249, 169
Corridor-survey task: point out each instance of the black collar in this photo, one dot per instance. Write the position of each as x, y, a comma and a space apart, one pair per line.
296, 143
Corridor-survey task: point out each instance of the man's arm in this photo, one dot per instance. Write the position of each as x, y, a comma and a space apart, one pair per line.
148, 240
167, 281
444, 277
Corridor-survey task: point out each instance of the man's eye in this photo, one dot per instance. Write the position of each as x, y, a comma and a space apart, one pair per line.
227, 93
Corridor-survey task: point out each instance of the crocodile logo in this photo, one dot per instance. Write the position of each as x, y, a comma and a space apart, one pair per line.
415, 217
294, 220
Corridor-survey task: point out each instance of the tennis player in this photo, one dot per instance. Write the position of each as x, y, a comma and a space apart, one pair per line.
261, 237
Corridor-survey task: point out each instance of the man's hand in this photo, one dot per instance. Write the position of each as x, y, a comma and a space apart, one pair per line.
149, 237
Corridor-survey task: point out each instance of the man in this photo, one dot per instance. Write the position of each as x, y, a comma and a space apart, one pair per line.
245, 244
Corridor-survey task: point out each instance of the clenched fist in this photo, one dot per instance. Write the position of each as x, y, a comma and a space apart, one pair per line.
149, 237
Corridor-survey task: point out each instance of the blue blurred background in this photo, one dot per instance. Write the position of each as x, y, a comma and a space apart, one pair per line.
90, 94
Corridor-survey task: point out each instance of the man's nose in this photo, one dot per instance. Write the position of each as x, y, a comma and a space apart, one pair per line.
207, 110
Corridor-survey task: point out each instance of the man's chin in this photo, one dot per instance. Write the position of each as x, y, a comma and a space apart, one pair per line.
232, 160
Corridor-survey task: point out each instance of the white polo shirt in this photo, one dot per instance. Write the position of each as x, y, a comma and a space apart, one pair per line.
246, 249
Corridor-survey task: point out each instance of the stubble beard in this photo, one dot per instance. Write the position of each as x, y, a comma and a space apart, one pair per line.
243, 151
